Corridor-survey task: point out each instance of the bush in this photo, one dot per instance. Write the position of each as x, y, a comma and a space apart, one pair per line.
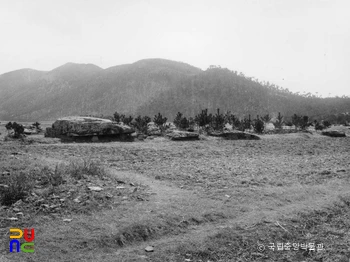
17, 187
118, 117
37, 125
258, 125
279, 121
218, 121
203, 118
140, 124
318, 126
88, 167
181, 122
52, 177
246, 124
326, 124
126, 120
8, 127
159, 120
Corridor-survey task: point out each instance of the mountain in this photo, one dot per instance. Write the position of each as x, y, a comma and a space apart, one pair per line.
147, 87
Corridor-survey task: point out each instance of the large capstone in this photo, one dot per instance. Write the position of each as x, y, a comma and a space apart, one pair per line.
79, 126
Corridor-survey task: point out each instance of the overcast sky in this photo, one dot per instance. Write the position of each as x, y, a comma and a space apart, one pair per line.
298, 44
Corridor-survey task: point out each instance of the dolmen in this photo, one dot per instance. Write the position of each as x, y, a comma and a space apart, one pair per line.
88, 129
334, 133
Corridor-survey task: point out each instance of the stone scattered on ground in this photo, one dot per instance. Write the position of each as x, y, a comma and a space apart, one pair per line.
334, 133
95, 188
182, 135
76, 126
149, 249
235, 135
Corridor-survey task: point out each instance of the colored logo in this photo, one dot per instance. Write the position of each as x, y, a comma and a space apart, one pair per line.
16, 234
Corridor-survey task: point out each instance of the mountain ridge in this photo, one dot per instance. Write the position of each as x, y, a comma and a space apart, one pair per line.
147, 86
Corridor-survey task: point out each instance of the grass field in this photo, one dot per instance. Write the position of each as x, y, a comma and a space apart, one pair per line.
205, 200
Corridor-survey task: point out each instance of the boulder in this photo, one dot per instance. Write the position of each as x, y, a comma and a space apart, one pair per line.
77, 126
182, 135
236, 135
153, 129
334, 133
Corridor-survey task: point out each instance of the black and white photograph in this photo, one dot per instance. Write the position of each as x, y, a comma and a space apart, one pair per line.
174, 131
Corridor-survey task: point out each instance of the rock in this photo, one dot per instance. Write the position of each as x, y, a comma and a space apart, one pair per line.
334, 133
140, 137
30, 131
5, 173
94, 139
75, 126
237, 135
182, 135
153, 129
95, 188
149, 249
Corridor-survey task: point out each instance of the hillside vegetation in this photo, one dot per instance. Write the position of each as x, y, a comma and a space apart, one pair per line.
147, 87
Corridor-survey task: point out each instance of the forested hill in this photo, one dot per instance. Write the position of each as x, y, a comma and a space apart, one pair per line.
230, 90
147, 87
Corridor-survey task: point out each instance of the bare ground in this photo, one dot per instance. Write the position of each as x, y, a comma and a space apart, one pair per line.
206, 200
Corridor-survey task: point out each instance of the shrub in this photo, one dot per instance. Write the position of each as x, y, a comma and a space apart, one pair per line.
181, 122
37, 125
203, 118
80, 169
296, 120
258, 125
140, 124
319, 126
218, 121
126, 120
326, 124
52, 177
159, 120
18, 186
18, 129
118, 117
246, 123
177, 119
279, 121
8, 127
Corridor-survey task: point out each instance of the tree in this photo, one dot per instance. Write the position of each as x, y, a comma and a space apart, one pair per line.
159, 120
218, 121
118, 117
140, 124
8, 127
258, 125
203, 118
18, 128
177, 119
279, 121
326, 124
126, 120
296, 120
37, 125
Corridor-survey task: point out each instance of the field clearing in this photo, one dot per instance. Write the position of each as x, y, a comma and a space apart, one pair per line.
206, 200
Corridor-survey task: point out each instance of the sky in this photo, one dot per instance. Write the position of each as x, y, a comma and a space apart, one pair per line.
302, 45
